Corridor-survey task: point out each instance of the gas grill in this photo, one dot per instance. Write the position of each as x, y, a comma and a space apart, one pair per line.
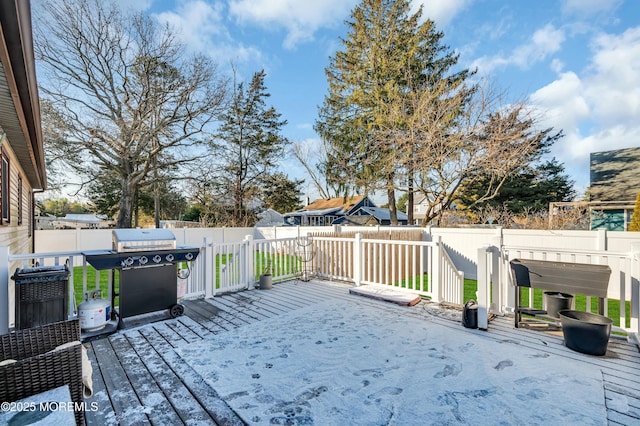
147, 261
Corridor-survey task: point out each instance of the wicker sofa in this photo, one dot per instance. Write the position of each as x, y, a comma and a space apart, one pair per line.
39, 367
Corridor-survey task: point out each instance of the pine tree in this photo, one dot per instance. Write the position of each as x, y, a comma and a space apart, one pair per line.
388, 55
249, 145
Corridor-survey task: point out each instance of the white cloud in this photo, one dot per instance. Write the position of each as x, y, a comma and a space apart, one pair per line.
440, 11
200, 25
586, 8
196, 22
615, 84
301, 19
562, 103
599, 109
544, 42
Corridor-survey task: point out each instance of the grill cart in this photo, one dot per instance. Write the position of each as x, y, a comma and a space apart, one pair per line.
146, 259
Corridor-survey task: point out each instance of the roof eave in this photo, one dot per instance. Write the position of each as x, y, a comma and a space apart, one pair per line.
19, 101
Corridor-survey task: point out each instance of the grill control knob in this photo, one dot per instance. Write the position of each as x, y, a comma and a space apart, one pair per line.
157, 258
143, 260
128, 261
169, 257
188, 256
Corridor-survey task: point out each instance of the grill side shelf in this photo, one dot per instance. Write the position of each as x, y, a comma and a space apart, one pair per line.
109, 259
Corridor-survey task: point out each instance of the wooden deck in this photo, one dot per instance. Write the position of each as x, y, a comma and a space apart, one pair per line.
139, 379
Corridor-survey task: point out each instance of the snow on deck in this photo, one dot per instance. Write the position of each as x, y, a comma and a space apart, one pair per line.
305, 353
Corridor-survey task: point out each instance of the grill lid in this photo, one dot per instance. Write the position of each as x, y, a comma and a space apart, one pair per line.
128, 240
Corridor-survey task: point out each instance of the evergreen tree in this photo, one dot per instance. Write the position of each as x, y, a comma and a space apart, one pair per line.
532, 189
282, 194
248, 146
388, 55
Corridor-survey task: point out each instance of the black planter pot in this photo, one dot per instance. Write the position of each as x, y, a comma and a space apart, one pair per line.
585, 332
556, 302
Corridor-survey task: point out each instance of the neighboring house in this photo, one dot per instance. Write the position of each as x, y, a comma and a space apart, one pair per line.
614, 186
371, 216
177, 224
81, 220
615, 183
22, 166
356, 221
420, 207
270, 217
357, 210
325, 211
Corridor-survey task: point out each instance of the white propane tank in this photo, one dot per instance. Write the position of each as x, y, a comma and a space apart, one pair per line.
183, 274
93, 314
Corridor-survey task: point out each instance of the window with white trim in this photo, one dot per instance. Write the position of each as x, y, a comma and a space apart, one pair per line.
5, 203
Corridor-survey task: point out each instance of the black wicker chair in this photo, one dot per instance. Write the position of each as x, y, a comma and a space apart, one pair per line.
37, 368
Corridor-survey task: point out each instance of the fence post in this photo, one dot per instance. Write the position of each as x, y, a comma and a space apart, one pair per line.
208, 267
484, 287
436, 282
497, 293
508, 290
635, 293
357, 259
4, 289
247, 261
601, 239
635, 306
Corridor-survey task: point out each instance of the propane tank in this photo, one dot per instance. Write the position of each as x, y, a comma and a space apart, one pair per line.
94, 314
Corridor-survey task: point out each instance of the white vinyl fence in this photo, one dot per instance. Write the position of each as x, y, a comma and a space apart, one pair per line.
496, 290
418, 266
431, 268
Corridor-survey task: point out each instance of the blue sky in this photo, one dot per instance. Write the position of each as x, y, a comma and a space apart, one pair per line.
576, 61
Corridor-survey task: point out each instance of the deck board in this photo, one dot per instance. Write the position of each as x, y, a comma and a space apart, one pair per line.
158, 409
206, 396
125, 402
139, 378
174, 390
104, 413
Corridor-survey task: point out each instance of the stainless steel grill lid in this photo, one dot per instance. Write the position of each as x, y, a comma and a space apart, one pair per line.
129, 240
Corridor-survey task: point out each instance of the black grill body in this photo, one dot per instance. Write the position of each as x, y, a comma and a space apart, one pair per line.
147, 262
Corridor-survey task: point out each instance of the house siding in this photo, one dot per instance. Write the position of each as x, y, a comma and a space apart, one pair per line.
15, 236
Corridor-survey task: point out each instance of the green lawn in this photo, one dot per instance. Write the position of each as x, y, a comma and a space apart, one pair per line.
613, 306
285, 263
91, 282
279, 265
470, 287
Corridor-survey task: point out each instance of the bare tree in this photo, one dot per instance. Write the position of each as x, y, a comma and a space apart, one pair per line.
313, 163
130, 98
447, 142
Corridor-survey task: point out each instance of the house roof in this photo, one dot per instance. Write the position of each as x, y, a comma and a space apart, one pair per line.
356, 220
320, 212
383, 213
82, 217
19, 102
332, 203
